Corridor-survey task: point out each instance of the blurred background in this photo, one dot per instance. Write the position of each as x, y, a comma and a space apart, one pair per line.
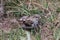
11, 10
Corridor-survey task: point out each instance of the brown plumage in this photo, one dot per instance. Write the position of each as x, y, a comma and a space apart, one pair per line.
30, 22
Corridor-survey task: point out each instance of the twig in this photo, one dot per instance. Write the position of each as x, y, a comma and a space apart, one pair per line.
28, 35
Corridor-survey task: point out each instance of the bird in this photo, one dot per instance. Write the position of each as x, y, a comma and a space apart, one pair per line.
30, 22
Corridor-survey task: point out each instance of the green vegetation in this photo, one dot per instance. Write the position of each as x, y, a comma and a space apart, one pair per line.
49, 10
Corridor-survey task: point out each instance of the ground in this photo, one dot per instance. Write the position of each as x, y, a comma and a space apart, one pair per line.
12, 10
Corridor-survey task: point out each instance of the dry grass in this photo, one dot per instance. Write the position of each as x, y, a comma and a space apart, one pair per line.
49, 10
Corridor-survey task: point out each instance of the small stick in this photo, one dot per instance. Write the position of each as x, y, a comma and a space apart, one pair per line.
28, 35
